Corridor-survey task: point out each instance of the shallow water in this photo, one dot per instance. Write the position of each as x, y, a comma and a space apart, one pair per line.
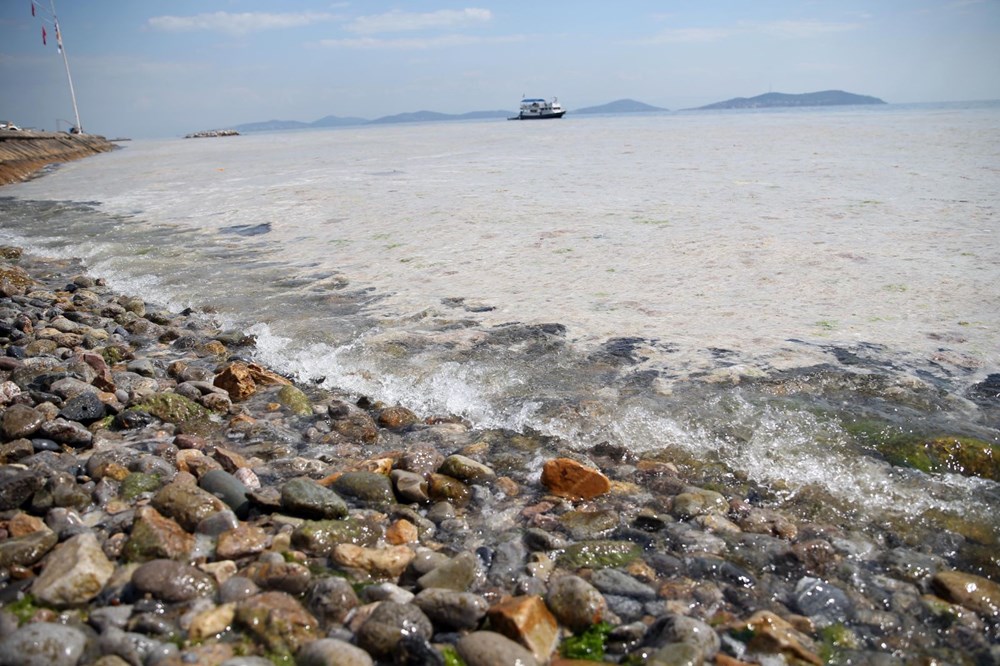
708, 286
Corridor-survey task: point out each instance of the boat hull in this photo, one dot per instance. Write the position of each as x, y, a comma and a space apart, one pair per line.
545, 116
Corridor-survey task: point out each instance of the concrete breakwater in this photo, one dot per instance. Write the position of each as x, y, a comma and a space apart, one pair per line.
23, 153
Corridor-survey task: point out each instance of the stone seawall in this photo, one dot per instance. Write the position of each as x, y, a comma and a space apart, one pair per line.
24, 153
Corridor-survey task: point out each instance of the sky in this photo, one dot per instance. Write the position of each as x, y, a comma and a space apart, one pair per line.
145, 68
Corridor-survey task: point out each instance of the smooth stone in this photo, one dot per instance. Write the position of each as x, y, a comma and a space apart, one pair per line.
452, 609
66, 432
43, 644
20, 421
397, 418
821, 601
236, 588
172, 581
154, 536
456, 574
489, 648
576, 603
186, 503
290, 577
240, 541
332, 652
589, 524
674, 628
410, 486
978, 594
466, 469
568, 478
697, 502
369, 488
615, 581
133, 647
388, 624
677, 654
75, 572
331, 599
217, 523
227, 488
387, 592
306, 498
28, 549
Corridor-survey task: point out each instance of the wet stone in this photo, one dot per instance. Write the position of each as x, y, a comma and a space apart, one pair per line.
331, 651
452, 609
615, 581
278, 620
331, 599
319, 537
466, 469
28, 549
306, 498
368, 488
187, 504
172, 581
978, 594
85, 408
154, 536
576, 603
488, 648
568, 478
455, 574
389, 623
20, 421
43, 644
527, 620
227, 488
75, 572
821, 601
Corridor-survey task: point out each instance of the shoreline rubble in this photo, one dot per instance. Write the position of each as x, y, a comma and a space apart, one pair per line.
166, 500
23, 152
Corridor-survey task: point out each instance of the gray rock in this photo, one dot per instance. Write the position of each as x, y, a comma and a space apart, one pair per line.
85, 407
227, 488
455, 574
576, 603
674, 628
410, 486
488, 648
306, 498
28, 549
615, 581
509, 559
821, 601
172, 581
332, 652
331, 599
134, 648
626, 608
387, 592
75, 572
247, 661
217, 523
236, 588
110, 616
187, 504
455, 610
388, 624
66, 432
43, 644
17, 487
367, 487
677, 654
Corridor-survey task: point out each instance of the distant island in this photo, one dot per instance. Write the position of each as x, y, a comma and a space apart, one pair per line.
767, 100
774, 100
621, 106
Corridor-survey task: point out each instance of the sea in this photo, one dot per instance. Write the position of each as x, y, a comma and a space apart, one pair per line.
779, 301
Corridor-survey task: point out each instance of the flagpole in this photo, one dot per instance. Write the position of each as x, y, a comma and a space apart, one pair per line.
69, 77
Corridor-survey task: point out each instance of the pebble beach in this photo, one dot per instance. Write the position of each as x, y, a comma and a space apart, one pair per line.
156, 508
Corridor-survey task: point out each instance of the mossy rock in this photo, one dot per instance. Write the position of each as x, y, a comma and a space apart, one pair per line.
319, 537
15, 276
294, 400
600, 554
955, 454
138, 483
10, 253
175, 408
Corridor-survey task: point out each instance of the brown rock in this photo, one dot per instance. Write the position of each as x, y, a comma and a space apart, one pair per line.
772, 634
186, 503
528, 621
388, 562
241, 541
396, 418
278, 620
229, 460
980, 595
155, 536
237, 381
567, 478
402, 531
22, 524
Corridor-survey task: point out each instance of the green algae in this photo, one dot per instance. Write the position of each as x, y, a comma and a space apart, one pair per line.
599, 554
588, 644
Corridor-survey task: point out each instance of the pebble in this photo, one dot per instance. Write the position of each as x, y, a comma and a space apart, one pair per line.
194, 519
43, 644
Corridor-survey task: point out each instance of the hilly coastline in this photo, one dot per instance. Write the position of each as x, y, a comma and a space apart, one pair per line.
767, 100
775, 100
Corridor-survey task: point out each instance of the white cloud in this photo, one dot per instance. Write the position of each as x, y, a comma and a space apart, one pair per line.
397, 21
237, 23
417, 43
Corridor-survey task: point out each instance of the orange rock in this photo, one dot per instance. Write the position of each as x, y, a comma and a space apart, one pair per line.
773, 634
230, 460
726, 660
236, 380
528, 621
402, 531
23, 524
265, 377
568, 478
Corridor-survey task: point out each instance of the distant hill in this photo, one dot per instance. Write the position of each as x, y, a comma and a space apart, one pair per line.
271, 125
337, 121
434, 116
774, 100
620, 106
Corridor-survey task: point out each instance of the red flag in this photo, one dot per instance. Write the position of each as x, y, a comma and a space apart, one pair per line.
43, 36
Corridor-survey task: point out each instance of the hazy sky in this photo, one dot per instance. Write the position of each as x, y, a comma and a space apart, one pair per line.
145, 69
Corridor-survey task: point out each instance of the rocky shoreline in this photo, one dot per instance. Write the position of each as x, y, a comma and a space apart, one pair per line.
23, 152
165, 500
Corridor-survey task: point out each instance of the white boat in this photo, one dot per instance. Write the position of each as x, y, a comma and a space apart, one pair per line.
539, 109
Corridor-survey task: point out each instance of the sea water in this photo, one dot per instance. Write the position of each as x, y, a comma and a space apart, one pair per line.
733, 290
